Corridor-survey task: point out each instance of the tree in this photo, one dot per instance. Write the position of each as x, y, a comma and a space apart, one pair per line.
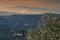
51, 28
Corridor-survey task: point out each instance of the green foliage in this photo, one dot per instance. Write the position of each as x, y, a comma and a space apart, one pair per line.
51, 29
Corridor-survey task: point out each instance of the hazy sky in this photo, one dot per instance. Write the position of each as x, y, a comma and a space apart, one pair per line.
29, 6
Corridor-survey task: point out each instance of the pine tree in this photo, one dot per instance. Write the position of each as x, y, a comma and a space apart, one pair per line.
51, 27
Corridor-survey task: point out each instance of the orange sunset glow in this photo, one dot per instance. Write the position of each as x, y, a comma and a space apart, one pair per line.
16, 5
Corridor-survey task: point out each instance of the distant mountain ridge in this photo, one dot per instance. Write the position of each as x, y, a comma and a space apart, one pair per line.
4, 13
